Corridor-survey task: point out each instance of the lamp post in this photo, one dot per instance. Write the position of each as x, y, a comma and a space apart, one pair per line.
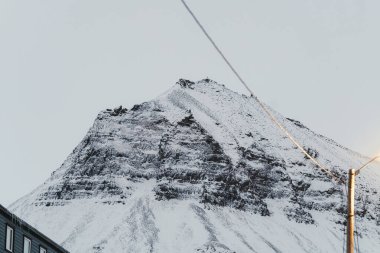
351, 204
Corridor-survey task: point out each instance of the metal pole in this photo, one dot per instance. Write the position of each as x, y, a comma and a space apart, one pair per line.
351, 211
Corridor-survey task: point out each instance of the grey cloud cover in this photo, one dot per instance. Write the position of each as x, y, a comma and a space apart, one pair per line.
61, 62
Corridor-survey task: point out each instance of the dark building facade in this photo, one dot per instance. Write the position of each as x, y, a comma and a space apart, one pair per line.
17, 236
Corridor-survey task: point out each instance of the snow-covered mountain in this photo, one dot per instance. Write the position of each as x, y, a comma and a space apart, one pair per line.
201, 169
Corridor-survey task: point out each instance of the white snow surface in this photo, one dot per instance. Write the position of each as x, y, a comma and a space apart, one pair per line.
98, 219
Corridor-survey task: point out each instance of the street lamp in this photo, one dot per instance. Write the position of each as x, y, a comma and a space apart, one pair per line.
351, 203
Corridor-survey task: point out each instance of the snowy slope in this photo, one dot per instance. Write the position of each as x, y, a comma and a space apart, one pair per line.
200, 169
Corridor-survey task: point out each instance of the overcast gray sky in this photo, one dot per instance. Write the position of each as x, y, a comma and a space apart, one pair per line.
61, 62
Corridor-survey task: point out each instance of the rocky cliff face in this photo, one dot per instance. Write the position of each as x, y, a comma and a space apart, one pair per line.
200, 169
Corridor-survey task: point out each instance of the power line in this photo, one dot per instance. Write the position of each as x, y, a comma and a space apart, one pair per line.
262, 105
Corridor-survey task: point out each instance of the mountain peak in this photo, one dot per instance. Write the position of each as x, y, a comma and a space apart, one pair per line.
202, 164
184, 83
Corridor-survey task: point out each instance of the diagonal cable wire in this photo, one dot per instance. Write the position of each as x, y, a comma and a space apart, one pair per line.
262, 105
